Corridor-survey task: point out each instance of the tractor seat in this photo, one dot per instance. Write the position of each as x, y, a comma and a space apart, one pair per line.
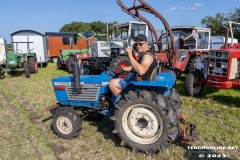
154, 73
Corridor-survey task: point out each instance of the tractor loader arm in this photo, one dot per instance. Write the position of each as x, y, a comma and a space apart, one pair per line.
134, 11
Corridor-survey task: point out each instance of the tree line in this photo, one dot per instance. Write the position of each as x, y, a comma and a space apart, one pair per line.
97, 26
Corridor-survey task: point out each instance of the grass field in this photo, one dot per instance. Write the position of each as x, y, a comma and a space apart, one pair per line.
25, 134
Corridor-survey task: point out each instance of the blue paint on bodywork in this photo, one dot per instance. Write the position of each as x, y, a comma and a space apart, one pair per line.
163, 82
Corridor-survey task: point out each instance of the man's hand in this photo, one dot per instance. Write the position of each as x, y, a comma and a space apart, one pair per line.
129, 51
127, 69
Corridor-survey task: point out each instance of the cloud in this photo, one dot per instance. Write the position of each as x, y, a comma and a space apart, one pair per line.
198, 4
173, 8
189, 7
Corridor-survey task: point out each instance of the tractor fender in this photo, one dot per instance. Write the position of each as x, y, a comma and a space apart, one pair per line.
163, 83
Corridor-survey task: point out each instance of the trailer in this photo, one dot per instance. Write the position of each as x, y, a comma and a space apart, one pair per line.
57, 41
3, 51
37, 46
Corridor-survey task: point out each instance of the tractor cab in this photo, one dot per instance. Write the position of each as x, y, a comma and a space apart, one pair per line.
125, 32
191, 38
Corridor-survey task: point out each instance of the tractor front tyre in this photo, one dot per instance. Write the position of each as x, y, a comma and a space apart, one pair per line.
192, 85
32, 65
66, 123
145, 122
26, 67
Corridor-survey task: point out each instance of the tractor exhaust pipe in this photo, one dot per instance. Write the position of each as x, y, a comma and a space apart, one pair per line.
76, 75
226, 36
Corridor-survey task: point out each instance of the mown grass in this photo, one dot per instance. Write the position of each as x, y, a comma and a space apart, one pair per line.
217, 125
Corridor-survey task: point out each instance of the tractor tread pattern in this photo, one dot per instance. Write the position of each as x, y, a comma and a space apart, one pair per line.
166, 111
71, 114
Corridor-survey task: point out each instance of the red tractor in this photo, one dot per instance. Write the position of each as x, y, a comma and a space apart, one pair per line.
220, 70
178, 49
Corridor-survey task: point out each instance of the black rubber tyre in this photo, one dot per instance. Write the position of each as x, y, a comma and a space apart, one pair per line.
145, 122
193, 65
85, 70
66, 123
26, 67
192, 85
70, 65
118, 62
2, 75
175, 101
32, 65
172, 71
59, 64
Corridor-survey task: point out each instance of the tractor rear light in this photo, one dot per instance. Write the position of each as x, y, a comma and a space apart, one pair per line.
60, 88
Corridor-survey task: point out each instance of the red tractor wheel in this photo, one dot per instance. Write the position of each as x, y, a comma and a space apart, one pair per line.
118, 63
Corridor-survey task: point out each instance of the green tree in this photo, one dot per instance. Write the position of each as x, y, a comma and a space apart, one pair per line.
215, 23
97, 26
76, 27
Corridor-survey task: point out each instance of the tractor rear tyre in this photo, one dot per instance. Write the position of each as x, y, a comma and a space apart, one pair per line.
70, 65
2, 75
145, 122
26, 67
32, 65
66, 123
192, 85
175, 101
118, 63
59, 64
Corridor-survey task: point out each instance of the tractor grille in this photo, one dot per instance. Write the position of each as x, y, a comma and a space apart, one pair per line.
87, 94
218, 64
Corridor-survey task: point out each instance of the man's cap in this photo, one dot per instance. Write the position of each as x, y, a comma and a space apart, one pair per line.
141, 37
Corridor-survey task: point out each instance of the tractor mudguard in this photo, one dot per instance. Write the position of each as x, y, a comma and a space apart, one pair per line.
163, 80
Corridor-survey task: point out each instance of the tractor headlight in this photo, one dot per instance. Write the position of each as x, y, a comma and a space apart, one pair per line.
224, 65
212, 64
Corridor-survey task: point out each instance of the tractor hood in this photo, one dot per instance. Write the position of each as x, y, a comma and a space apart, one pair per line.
101, 79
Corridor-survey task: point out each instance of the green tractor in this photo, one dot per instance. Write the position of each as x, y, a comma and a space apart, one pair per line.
65, 61
18, 61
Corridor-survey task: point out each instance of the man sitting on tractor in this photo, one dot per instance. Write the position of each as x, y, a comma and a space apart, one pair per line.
141, 68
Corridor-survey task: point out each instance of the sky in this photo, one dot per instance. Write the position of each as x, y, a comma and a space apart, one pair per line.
50, 15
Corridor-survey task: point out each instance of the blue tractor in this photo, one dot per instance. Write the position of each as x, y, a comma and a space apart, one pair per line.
145, 114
